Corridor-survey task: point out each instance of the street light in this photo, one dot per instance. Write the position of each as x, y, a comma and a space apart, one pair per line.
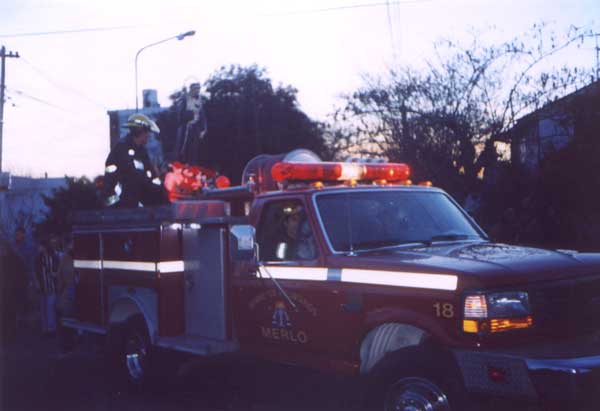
178, 37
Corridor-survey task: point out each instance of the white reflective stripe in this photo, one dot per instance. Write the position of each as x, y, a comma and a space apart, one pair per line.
91, 264
148, 174
170, 266
295, 273
163, 266
348, 275
138, 165
111, 168
156, 181
130, 265
400, 279
131, 152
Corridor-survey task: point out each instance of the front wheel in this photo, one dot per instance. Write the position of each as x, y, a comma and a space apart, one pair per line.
415, 394
417, 378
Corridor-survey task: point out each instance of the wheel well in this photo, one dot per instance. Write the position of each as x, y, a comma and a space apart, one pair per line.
126, 308
387, 338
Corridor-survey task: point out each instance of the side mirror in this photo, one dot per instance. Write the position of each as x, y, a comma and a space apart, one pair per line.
243, 247
244, 236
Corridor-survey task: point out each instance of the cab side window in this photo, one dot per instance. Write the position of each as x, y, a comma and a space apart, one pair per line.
285, 234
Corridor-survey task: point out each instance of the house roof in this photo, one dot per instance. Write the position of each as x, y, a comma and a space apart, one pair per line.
592, 88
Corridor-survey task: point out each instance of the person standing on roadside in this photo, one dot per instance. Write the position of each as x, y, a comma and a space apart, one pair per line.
46, 268
24, 251
65, 297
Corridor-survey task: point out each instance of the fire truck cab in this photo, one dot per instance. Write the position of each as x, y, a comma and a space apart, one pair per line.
346, 268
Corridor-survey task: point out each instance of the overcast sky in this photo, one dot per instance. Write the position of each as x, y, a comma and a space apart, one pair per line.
58, 93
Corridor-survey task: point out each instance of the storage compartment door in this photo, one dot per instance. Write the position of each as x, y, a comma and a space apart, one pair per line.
205, 283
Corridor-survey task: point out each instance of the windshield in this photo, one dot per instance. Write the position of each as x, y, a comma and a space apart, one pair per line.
366, 220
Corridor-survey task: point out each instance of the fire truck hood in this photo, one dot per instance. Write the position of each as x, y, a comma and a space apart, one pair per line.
483, 263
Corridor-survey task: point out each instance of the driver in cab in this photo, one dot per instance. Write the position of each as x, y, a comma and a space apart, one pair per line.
298, 241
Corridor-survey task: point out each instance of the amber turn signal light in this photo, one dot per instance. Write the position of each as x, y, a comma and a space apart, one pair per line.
505, 324
471, 326
496, 325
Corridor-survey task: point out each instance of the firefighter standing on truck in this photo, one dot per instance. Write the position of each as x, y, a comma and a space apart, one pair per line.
192, 126
130, 180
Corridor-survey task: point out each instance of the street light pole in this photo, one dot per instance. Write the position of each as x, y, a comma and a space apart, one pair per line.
178, 37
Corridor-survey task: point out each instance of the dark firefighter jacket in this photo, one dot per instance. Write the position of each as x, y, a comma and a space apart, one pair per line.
129, 178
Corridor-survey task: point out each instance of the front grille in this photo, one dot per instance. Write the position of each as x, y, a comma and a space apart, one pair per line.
567, 307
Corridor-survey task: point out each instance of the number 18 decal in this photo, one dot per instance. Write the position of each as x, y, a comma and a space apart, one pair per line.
445, 310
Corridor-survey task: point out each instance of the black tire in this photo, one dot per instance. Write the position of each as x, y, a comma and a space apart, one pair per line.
417, 378
131, 354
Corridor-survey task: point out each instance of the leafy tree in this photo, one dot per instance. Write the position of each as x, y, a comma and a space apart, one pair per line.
16, 211
248, 116
79, 194
445, 120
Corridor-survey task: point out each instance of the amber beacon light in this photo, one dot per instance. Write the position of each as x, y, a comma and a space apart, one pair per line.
330, 171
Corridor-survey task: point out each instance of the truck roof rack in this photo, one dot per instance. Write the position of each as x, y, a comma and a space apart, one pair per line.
199, 211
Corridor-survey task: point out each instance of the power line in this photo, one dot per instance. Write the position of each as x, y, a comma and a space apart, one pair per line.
67, 115
37, 5
71, 31
353, 6
289, 13
398, 32
61, 86
37, 99
24, 94
390, 29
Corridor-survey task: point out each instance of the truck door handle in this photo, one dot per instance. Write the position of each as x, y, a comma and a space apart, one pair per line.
351, 307
354, 304
189, 283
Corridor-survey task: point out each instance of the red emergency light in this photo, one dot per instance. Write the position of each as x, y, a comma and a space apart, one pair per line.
222, 182
329, 171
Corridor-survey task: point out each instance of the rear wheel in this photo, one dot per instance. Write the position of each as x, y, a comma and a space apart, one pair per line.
130, 352
136, 351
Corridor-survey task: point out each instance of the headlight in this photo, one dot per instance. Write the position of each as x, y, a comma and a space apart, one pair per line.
497, 312
507, 305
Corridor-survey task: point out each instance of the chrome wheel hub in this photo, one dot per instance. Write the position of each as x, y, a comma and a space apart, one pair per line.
416, 394
135, 356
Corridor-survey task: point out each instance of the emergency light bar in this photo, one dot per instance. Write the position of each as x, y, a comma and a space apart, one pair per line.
328, 171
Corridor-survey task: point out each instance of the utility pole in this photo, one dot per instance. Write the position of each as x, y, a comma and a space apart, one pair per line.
597, 58
3, 57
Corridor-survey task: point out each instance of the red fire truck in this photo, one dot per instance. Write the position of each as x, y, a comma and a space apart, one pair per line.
346, 268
